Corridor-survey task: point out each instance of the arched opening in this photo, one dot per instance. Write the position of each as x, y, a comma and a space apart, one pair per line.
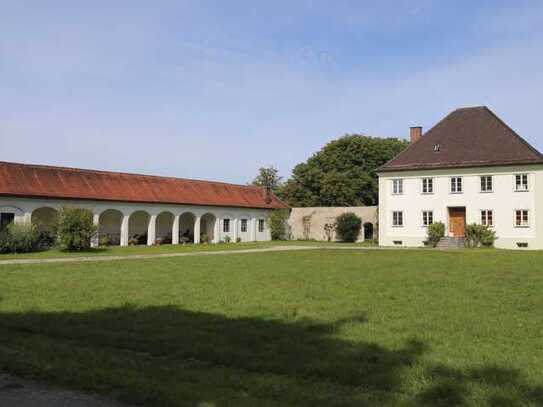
207, 228
164, 226
186, 228
138, 225
44, 218
368, 231
109, 228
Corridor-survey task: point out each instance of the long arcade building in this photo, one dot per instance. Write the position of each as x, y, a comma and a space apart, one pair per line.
131, 208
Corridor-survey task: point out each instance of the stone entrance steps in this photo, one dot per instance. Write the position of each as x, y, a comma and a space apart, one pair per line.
451, 243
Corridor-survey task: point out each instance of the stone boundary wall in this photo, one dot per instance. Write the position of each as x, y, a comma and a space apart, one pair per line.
309, 223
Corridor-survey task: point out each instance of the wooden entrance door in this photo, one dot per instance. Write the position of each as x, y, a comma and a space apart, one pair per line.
457, 221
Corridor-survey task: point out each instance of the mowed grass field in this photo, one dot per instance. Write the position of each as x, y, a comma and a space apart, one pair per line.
318, 327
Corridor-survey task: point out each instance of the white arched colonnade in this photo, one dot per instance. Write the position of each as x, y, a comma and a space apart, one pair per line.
131, 223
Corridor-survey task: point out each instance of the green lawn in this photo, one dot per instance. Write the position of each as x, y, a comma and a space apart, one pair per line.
319, 327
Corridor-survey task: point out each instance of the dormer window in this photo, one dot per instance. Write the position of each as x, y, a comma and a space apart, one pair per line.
437, 147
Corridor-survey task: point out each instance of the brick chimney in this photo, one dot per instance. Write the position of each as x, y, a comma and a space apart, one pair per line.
415, 133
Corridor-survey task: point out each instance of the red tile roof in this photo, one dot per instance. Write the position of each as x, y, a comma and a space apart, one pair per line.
72, 183
467, 137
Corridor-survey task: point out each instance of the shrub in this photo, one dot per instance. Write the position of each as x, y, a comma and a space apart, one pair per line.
238, 240
477, 235
19, 238
75, 228
227, 239
277, 220
348, 227
204, 238
435, 232
46, 239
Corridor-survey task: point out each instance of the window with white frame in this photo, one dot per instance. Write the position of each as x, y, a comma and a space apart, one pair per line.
226, 225
521, 182
261, 225
487, 217
397, 218
486, 183
243, 225
427, 186
456, 185
521, 218
397, 186
427, 218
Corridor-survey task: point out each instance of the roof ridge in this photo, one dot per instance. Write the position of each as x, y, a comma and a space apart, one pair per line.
87, 170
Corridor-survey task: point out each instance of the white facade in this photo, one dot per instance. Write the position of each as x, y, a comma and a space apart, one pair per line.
504, 200
125, 220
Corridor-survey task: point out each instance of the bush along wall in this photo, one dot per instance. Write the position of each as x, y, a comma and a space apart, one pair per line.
348, 227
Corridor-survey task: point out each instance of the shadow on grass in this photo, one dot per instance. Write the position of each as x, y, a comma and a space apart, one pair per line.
496, 386
172, 357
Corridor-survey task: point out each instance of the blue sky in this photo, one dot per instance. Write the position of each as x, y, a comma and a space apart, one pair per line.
216, 89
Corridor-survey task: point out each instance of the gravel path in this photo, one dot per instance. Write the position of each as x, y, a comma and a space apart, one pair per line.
149, 256
16, 392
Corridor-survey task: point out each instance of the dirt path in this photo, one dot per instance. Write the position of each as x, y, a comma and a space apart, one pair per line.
149, 256
16, 392
163, 255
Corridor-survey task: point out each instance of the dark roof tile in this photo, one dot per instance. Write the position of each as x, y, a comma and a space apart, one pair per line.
467, 137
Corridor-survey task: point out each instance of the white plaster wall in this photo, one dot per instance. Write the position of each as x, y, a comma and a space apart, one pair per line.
504, 200
23, 208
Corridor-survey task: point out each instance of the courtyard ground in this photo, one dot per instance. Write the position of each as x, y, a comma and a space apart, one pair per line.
303, 328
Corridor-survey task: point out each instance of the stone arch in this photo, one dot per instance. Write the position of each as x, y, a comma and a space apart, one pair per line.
44, 218
109, 227
207, 227
138, 227
164, 227
186, 227
368, 231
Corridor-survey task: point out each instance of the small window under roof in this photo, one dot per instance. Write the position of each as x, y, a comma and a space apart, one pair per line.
437, 147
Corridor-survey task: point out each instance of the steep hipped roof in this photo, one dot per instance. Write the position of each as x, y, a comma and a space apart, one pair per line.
60, 182
467, 137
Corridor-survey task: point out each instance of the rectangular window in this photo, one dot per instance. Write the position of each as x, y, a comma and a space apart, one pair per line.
261, 225
6, 219
243, 225
487, 217
521, 182
397, 186
427, 186
521, 218
226, 225
397, 218
456, 185
486, 183
427, 218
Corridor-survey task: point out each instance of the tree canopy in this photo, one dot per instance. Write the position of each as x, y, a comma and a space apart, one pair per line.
268, 177
342, 173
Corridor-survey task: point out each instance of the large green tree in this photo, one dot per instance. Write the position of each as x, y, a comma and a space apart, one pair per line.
342, 173
268, 177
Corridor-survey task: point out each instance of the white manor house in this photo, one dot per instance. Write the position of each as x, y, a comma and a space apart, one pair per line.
469, 168
137, 209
